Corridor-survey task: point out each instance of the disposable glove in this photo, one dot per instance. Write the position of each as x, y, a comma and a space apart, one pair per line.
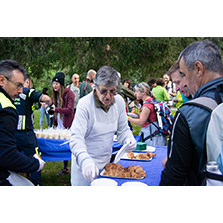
132, 144
41, 162
89, 169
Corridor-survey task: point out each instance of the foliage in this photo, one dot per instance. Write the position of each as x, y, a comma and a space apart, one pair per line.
137, 58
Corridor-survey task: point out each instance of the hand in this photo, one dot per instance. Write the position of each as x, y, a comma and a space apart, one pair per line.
132, 144
89, 169
41, 162
129, 118
43, 104
164, 162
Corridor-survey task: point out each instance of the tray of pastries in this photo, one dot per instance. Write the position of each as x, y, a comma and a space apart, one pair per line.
118, 171
148, 156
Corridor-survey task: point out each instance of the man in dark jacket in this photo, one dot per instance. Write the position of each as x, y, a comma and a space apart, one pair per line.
11, 83
201, 65
25, 136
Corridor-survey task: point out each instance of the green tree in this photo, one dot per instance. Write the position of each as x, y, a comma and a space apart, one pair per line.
136, 58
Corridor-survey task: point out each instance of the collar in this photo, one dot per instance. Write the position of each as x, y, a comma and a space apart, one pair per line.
6, 94
98, 104
208, 86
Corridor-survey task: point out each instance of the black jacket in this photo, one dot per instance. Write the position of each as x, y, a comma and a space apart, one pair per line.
187, 144
10, 157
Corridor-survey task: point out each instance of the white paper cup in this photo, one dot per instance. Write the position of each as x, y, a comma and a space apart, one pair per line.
56, 136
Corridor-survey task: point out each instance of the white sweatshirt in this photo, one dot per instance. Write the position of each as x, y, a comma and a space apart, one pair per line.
93, 129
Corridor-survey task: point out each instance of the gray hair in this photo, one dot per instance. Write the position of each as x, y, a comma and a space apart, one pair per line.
204, 51
144, 87
8, 66
107, 76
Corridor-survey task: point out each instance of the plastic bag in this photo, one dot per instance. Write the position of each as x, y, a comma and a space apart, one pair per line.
18, 180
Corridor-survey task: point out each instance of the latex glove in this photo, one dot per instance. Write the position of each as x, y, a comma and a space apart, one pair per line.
132, 144
41, 162
89, 169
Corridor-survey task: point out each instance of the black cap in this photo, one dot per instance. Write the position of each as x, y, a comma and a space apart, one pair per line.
59, 77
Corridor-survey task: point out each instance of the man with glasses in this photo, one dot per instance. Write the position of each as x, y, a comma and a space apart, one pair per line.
11, 83
99, 116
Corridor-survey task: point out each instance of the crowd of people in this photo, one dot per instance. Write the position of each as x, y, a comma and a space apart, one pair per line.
101, 106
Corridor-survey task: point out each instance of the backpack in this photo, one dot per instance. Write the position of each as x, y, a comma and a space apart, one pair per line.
214, 137
164, 119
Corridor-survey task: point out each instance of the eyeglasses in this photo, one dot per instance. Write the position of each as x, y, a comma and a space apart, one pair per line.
19, 85
104, 91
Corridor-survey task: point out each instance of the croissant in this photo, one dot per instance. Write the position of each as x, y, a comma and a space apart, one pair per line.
131, 155
117, 170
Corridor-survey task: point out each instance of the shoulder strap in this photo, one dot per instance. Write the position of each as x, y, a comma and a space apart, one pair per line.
214, 176
204, 102
157, 126
209, 104
146, 102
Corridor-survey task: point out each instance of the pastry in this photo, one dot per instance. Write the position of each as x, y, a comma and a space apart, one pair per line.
117, 170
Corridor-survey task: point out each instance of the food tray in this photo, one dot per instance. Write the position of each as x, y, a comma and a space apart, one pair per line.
125, 157
102, 172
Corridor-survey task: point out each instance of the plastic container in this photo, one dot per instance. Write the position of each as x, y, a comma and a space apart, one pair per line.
151, 149
104, 182
141, 146
213, 167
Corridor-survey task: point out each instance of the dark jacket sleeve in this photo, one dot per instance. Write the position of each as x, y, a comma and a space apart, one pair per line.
181, 152
35, 96
10, 157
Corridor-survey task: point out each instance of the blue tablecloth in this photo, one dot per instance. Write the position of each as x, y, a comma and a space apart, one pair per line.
55, 150
152, 168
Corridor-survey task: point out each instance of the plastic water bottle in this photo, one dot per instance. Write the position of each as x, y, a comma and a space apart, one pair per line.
213, 167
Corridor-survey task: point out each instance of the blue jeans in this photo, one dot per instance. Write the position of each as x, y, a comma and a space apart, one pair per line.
42, 113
